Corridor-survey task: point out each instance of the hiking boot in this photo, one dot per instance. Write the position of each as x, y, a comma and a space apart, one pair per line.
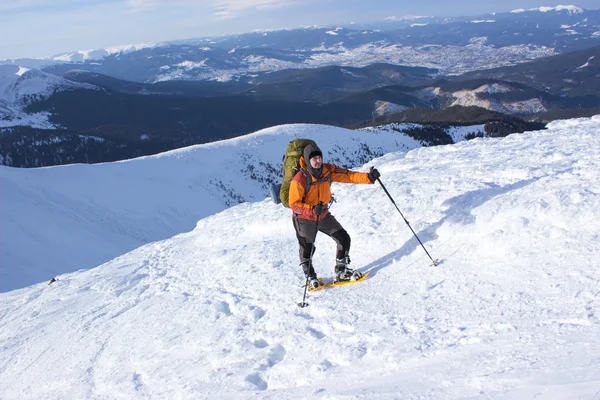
343, 273
346, 274
313, 282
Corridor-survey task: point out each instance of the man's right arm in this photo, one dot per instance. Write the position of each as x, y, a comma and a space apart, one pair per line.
297, 188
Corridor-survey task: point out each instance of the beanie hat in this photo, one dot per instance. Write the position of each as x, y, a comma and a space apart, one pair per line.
311, 151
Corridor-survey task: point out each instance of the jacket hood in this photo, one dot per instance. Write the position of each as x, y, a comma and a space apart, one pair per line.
310, 151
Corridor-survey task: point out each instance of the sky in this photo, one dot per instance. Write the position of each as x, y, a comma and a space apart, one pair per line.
40, 28
210, 311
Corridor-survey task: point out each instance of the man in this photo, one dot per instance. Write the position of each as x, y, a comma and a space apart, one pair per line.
310, 211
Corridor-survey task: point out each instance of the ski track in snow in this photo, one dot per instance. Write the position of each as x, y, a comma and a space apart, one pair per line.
512, 312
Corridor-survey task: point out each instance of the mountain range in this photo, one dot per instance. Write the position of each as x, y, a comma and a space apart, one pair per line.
116, 104
451, 45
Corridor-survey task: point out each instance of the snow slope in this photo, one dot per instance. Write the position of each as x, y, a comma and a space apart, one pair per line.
63, 219
512, 312
469, 98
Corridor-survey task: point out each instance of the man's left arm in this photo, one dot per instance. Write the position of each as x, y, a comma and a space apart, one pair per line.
344, 175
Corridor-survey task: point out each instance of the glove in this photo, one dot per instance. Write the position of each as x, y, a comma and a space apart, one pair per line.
318, 209
374, 174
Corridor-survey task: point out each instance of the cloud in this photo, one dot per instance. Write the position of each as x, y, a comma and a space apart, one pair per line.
231, 8
8, 5
220, 9
26, 5
143, 5
50, 7
56, 26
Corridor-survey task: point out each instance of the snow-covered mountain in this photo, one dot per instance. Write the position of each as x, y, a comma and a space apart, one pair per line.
93, 213
512, 312
20, 86
452, 45
473, 97
566, 9
531, 14
98, 54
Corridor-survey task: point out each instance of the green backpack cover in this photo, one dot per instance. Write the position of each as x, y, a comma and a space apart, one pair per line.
291, 166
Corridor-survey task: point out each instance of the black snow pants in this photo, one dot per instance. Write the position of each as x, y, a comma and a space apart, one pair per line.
305, 232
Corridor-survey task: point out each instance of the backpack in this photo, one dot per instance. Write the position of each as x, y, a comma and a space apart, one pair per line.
291, 166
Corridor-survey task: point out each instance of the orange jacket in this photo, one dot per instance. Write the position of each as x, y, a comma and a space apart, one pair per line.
320, 189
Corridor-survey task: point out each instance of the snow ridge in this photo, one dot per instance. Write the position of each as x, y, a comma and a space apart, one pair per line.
568, 9
117, 207
98, 54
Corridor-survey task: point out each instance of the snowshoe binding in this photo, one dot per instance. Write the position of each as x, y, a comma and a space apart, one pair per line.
347, 274
314, 283
343, 273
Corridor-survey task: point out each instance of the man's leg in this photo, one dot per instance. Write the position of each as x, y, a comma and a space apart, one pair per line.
332, 228
305, 233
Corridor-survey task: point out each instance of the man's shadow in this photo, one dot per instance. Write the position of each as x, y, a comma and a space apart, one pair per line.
459, 211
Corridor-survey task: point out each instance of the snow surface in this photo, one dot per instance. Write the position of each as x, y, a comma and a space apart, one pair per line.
406, 17
347, 72
386, 108
94, 213
468, 98
22, 70
587, 63
569, 9
448, 59
512, 312
459, 133
191, 65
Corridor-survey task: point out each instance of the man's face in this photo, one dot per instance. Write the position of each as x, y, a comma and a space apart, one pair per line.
316, 162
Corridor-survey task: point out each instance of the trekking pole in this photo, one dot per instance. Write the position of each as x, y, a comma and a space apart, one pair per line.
434, 262
304, 303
